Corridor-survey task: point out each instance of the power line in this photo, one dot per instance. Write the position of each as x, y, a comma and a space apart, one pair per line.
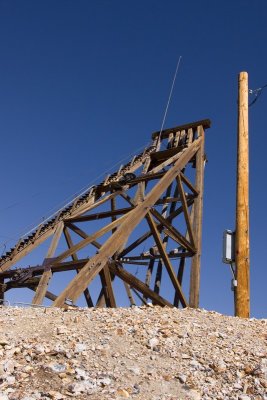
256, 93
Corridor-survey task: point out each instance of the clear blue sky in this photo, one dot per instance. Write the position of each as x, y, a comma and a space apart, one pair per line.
84, 83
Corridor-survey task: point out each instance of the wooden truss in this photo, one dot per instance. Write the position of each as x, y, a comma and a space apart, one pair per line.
147, 215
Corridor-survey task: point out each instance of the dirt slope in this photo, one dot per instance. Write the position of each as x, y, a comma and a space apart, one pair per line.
149, 353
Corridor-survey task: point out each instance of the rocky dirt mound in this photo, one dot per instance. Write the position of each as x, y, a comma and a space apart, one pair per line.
147, 353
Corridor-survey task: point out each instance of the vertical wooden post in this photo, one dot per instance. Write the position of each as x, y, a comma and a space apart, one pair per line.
2, 291
197, 225
242, 296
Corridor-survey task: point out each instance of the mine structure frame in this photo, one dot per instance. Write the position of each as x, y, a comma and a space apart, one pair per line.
157, 193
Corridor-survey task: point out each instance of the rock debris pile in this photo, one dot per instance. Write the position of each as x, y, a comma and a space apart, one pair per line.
147, 353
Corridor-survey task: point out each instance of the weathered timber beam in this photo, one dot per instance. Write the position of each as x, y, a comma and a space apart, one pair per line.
147, 234
206, 123
186, 211
31, 246
139, 285
189, 184
129, 294
168, 162
82, 234
197, 224
89, 239
74, 257
166, 259
44, 281
58, 267
2, 290
147, 177
101, 215
107, 286
139, 296
155, 257
132, 219
49, 295
88, 207
175, 234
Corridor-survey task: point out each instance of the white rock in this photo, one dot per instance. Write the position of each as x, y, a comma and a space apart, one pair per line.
9, 366
135, 370
153, 342
58, 368
105, 381
80, 347
182, 378
81, 373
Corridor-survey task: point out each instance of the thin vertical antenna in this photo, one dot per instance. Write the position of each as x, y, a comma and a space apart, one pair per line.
169, 99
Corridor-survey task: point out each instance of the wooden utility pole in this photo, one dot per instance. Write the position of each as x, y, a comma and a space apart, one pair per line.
242, 296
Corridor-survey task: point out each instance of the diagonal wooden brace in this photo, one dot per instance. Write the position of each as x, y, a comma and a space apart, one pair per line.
132, 219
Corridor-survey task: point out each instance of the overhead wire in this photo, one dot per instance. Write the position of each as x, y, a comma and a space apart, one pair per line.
256, 93
70, 199
169, 99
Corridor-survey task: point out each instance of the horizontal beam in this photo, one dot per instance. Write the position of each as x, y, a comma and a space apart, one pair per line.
206, 123
100, 215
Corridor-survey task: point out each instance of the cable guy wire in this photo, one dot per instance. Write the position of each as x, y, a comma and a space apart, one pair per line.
256, 93
169, 99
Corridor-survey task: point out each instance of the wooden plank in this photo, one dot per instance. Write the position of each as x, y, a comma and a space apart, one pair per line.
48, 295
92, 205
139, 296
30, 247
147, 234
129, 259
180, 279
39, 240
166, 132
107, 286
2, 290
168, 162
106, 294
197, 225
186, 211
74, 257
131, 220
101, 215
44, 281
149, 273
189, 137
166, 154
166, 259
83, 234
90, 239
189, 184
140, 192
164, 212
177, 236
181, 267
129, 294
139, 285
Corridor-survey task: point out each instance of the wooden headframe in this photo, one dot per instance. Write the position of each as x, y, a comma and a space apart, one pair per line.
146, 215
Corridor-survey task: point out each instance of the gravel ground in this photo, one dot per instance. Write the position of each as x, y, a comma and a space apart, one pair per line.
147, 353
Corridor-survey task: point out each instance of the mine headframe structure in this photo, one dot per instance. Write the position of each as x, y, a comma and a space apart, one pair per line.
156, 198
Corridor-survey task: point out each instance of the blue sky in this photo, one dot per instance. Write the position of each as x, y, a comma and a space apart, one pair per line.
83, 85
